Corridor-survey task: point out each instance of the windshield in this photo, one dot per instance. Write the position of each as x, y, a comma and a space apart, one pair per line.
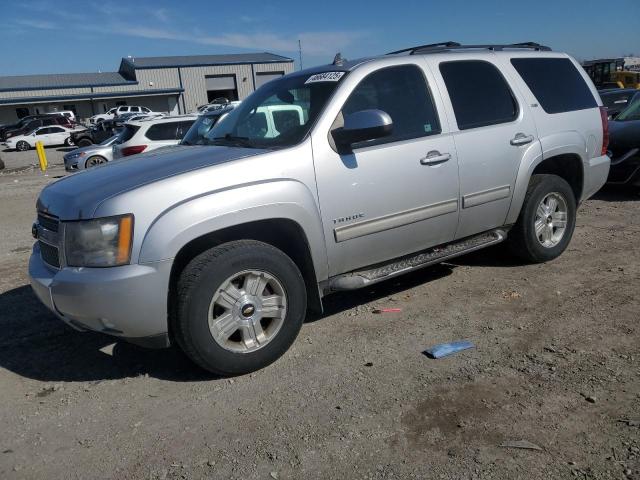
279, 114
198, 131
632, 112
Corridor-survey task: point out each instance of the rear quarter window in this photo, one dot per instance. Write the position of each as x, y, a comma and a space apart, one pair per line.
556, 83
162, 131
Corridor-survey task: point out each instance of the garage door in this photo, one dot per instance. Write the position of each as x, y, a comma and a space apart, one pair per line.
220, 82
264, 77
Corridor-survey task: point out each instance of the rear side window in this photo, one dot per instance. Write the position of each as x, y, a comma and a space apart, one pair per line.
479, 93
402, 92
616, 99
556, 84
183, 128
162, 131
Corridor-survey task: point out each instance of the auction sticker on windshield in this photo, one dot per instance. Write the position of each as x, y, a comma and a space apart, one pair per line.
325, 77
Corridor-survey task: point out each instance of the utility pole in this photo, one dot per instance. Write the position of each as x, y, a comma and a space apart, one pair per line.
300, 52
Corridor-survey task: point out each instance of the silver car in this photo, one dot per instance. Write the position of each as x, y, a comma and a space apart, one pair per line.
91, 156
327, 179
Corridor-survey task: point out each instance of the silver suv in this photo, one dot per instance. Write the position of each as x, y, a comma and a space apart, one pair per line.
327, 179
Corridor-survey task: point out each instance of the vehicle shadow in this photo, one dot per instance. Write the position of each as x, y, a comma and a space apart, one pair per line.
37, 345
617, 193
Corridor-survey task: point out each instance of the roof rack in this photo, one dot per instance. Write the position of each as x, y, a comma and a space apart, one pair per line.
447, 46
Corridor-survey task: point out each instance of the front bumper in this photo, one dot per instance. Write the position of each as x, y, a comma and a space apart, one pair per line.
128, 302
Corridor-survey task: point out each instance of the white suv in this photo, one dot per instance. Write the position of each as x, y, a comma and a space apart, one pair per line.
115, 111
147, 135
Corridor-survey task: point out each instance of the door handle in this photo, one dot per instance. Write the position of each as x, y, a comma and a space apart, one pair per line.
521, 139
434, 157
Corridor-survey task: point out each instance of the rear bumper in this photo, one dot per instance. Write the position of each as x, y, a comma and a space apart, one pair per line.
129, 302
596, 171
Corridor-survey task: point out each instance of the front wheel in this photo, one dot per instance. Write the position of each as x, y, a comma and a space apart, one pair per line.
547, 220
94, 161
68, 142
240, 306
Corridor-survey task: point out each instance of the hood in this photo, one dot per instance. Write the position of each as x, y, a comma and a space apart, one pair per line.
88, 149
77, 196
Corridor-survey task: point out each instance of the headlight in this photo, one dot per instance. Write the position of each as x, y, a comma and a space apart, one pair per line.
103, 242
76, 155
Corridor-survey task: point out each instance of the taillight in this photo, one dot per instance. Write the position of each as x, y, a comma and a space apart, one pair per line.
605, 130
133, 150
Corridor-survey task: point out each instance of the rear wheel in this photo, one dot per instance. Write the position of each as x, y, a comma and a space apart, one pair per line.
240, 306
94, 161
547, 220
22, 146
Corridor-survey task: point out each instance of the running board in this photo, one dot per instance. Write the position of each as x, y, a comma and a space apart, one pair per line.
398, 266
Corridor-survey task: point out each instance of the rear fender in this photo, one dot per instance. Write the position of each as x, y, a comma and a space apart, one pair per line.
550, 146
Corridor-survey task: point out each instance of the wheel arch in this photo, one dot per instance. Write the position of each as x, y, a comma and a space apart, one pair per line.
566, 161
282, 233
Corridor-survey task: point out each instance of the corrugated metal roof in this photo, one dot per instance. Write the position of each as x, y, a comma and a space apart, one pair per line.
198, 60
62, 80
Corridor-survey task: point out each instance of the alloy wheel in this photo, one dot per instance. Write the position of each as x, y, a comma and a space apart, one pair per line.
551, 219
247, 311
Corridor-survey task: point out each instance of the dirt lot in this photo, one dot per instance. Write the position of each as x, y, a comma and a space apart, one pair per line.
557, 364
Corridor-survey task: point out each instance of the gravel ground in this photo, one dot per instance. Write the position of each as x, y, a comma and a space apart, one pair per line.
16, 162
556, 363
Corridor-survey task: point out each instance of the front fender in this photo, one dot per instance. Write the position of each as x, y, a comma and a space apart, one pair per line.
286, 199
563, 143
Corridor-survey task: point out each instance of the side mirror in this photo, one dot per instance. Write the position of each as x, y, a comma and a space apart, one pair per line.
362, 126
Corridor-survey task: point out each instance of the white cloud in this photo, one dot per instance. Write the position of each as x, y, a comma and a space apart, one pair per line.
313, 43
39, 24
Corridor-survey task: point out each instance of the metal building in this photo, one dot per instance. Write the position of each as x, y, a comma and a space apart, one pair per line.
177, 84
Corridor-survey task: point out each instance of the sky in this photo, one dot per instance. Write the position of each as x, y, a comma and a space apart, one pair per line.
64, 36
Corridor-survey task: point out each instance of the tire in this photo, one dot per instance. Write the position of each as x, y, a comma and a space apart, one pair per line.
68, 142
22, 146
538, 235
234, 345
84, 142
94, 161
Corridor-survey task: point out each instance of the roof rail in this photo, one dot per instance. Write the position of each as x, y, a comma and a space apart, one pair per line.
420, 47
447, 46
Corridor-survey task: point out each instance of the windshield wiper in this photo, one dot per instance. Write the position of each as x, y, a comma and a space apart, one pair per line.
233, 140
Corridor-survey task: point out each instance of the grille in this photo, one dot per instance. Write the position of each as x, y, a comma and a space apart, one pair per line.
49, 254
47, 222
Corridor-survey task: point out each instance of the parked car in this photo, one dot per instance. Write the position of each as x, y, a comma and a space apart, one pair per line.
201, 127
95, 134
31, 125
24, 122
624, 146
69, 114
398, 162
116, 111
616, 99
49, 136
148, 135
90, 156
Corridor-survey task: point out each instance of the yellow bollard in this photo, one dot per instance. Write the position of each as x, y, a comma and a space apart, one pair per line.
42, 157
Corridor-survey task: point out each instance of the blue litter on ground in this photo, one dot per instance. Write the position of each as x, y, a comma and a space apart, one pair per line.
444, 349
